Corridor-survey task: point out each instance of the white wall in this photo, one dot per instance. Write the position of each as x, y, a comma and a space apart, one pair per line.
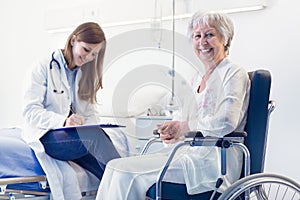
264, 39
270, 39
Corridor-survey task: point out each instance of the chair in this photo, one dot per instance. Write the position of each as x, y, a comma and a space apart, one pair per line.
256, 130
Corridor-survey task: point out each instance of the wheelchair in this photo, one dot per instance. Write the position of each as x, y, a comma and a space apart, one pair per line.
253, 183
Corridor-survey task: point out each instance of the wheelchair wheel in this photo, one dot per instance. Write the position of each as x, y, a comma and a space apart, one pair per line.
263, 186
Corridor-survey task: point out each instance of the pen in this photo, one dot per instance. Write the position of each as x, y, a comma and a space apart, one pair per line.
72, 110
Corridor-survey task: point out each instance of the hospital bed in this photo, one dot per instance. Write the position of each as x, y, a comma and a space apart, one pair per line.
18, 160
21, 175
254, 184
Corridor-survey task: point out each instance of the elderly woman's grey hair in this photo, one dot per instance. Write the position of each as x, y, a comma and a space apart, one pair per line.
220, 21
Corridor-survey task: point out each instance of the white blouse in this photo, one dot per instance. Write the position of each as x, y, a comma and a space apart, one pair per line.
219, 109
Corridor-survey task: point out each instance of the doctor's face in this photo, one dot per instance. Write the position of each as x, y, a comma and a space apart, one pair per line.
83, 52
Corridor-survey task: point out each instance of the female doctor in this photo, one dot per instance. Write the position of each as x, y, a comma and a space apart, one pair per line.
61, 91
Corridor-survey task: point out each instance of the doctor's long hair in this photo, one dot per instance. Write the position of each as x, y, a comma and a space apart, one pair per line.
92, 72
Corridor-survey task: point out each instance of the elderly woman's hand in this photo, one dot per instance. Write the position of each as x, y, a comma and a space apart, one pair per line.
172, 131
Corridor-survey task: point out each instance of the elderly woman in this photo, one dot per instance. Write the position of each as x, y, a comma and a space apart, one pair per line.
219, 107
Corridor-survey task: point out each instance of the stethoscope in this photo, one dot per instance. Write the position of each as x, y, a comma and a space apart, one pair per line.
55, 90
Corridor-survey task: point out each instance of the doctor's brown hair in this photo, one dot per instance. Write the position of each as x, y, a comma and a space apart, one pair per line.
92, 72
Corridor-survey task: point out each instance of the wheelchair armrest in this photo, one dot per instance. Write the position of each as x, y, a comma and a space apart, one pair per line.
200, 140
190, 134
198, 134
237, 134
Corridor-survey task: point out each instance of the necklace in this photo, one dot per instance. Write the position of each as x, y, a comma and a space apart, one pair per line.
205, 77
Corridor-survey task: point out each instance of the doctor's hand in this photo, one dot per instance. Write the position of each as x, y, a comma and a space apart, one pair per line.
172, 131
74, 120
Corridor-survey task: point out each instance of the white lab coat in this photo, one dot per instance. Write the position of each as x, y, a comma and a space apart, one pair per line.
44, 110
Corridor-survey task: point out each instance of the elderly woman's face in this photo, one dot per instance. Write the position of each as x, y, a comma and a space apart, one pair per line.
209, 45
